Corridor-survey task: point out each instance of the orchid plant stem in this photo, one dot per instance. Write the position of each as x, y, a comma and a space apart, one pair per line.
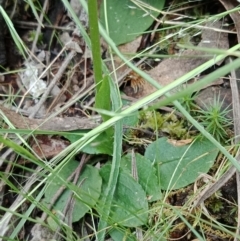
95, 42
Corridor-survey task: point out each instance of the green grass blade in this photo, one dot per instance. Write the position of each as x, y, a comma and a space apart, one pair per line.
18, 41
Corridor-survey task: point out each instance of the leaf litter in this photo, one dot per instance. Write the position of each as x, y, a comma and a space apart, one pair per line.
164, 73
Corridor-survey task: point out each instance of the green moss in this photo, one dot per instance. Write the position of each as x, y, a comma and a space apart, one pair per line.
168, 123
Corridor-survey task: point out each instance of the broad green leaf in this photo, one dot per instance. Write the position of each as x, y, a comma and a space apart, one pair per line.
121, 234
146, 173
126, 235
179, 166
126, 20
129, 206
86, 193
102, 144
131, 120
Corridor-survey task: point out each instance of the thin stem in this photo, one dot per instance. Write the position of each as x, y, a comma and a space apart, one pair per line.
95, 42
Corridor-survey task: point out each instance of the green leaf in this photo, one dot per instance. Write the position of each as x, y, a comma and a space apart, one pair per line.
102, 99
126, 20
131, 120
86, 193
179, 166
129, 205
146, 172
109, 191
121, 234
102, 144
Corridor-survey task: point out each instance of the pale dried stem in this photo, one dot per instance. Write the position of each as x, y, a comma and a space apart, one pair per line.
38, 31
53, 82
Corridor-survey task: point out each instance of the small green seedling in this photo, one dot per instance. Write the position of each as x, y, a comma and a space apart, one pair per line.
216, 119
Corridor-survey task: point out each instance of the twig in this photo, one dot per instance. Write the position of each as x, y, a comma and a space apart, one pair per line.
236, 118
53, 82
208, 192
139, 233
235, 103
6, 174
227, 175
78, 171
4, 222
84, 86
25, 24
39, 26
50, 123
229, 5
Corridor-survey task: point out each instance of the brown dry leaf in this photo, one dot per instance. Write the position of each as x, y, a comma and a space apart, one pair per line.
217, 82
173, 68
229, 5
48, 147
179, 142
125, 49
41, 233
53, 124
